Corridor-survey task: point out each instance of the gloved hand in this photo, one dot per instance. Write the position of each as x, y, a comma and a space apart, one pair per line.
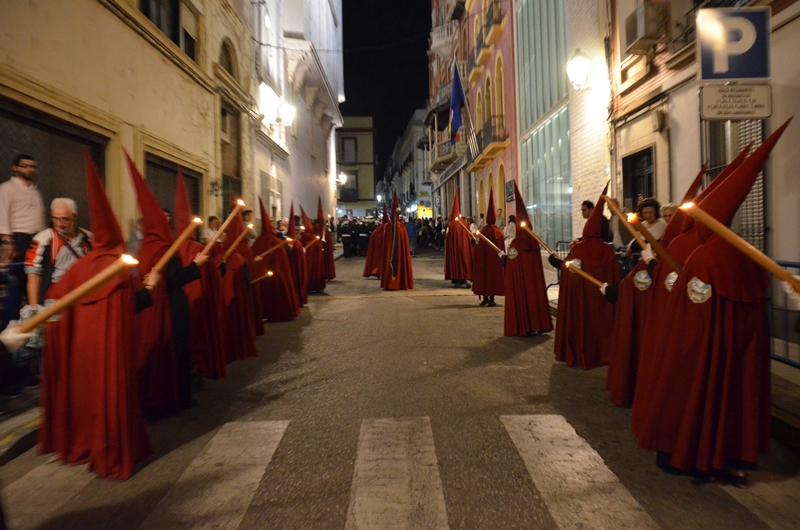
12, 339
503, 259
610, 291
555, 262
647, 254
603, 288
787, 287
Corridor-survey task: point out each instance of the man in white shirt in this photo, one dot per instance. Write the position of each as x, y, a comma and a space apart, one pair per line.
211, 229
21, 213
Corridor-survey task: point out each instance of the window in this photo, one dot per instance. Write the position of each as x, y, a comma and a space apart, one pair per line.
162, 175
488, 99
498, 87
546, 178
176, 20
479, 111
226, 61
349, 150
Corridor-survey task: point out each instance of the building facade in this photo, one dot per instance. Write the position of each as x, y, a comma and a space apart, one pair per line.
176, 83
408, 168
359, 165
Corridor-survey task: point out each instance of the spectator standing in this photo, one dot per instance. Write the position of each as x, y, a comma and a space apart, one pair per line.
21, 211
211, 229
501, 221
411, 228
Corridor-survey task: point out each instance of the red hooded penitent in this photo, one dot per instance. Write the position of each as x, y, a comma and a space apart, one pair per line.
324, 232
487, 267
90, 403
585, 318
396, 273
372, 265
297, 260
526, 307
315, 259
457, 246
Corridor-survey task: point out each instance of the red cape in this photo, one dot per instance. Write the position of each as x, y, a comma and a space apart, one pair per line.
205, 304
711, 398
315, 262
487, 267
372, 265
457, 251
91, 412
237, 310
330, 267
585, 318
526, 306
297, 263
628, 337
396, 272
277, 292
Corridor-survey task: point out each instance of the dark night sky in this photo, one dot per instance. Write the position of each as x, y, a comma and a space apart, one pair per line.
385, 65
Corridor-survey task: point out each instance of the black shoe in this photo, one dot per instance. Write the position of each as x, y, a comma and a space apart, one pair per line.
492, 304
485, 301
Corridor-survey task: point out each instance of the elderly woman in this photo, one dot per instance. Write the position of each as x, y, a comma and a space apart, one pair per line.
668, 210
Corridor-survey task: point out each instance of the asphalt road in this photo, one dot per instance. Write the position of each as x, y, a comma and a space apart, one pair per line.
383, 410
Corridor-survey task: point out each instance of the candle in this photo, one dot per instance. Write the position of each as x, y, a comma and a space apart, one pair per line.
581, 272
480, 234
660, 250
236, 210
615, 209
94, 283
177, 244
269, 274
737, 241
236, 242
315, 240
276, 247
524, 226
461, 222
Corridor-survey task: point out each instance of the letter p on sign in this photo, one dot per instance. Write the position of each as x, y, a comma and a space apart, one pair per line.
734, 43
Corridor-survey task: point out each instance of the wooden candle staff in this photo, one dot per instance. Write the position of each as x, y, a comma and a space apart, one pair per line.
524, 226
236, 242
269, 274
494, 247
210, 244
616, 211
586, 276
737, 241
177, 244
272, 249
315, 240
87, 287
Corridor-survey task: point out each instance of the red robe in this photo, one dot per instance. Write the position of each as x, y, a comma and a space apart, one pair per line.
237, 310
277, 292
628, 336
315, 262
526, 306
585, 318
205, 304
396, 272
330, 267
487, 267
297, 262
458, 252
711, 401
372, 265
90, 403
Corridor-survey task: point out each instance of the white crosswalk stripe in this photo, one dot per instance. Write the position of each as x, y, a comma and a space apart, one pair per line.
578, 488
218, 486
32, 499
396, 482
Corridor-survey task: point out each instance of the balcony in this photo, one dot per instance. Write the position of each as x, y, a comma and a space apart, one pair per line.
494, 23
442, 155
482, 51
455, 9
475, 70
492, 140
348, 195
442, 39
442, 96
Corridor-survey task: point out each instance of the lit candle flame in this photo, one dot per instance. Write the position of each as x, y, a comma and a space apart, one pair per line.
633, 218
197, 220
289, 239
269, 273
240, 202
567, 264
317, 237
686, 205
522, 223
250, 226
129, 260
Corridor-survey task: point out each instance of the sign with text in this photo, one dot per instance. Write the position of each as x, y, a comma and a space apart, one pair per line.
733, 43
510, 191
735, 102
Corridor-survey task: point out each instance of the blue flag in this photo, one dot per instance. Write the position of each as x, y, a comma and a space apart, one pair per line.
457, 100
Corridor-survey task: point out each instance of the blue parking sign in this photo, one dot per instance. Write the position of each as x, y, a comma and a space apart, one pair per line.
733, 43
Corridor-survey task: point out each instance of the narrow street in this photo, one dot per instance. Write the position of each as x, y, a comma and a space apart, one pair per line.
380, 410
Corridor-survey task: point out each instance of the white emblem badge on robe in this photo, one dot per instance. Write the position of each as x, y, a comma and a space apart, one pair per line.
672, 277
576, 263
642, 280
512, 253
698, 291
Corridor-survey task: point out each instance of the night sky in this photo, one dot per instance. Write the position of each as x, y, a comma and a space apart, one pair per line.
385, 65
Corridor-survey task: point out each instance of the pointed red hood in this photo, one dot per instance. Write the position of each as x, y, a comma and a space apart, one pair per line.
107, 235
181, 209
235, 227
455, 211
155, 224
723, 202
306, 221
291, 230
491, 218
675, 225
594, 224
522, 212
266, 223
320, 213
694, 187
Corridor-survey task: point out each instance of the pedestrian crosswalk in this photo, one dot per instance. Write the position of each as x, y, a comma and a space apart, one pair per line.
395, 484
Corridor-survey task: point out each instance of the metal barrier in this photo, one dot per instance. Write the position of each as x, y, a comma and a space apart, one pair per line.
784, 335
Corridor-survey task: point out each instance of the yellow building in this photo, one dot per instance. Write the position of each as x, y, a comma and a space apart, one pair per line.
357, 165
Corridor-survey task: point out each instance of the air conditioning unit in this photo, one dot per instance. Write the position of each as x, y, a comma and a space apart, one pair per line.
645, 27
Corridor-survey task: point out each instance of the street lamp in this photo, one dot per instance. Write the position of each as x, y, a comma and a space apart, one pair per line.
578, 70
342, 179
380, 198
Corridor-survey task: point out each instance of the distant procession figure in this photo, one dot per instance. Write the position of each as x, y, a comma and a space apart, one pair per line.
488, 274
457, 248
396, 273
372, 265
